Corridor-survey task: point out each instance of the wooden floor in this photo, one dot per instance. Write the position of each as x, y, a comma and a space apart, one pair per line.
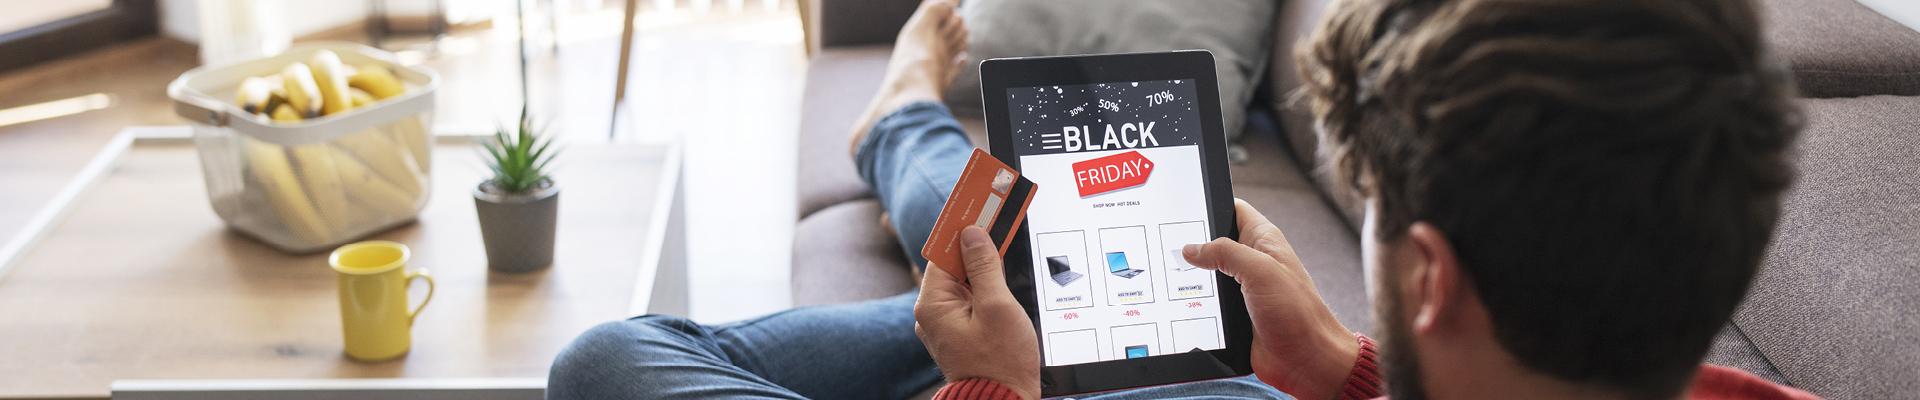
724, 82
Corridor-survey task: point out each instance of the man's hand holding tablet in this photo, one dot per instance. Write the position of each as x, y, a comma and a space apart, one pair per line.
1298, 346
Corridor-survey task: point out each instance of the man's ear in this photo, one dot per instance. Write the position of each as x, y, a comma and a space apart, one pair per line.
1437, 284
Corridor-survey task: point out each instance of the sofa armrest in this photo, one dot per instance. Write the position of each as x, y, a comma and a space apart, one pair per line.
841, 23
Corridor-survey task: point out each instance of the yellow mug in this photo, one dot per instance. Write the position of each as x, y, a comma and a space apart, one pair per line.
374, 317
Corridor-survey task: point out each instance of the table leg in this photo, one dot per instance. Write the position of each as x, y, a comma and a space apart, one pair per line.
626, 56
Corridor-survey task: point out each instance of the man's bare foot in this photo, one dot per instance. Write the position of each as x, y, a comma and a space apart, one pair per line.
926, 58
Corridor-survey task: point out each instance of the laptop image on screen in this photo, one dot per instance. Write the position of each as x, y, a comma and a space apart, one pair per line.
1117, 263
1062, 272
1137, 351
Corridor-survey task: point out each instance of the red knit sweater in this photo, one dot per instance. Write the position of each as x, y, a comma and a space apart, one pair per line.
1713, 382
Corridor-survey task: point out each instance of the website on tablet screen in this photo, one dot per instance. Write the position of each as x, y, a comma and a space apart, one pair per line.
1120, 162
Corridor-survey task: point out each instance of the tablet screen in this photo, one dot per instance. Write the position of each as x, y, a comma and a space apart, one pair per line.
1125, 191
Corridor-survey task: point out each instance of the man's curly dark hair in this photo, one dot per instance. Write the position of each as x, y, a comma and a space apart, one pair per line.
1609, 172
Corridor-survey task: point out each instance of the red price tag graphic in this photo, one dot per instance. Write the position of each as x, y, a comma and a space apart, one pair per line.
1110, 173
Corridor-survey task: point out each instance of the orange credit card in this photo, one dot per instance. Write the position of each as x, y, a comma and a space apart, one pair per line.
989, 195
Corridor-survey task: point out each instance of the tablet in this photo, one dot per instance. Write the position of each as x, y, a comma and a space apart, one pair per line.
1130, 159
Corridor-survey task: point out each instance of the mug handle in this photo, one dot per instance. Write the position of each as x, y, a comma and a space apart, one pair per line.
419, 273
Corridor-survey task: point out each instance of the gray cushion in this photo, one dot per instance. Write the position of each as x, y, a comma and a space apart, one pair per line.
839, 83
1234, 30
1732, 348
1839, 48
1834, 306
842, 254
1293, 25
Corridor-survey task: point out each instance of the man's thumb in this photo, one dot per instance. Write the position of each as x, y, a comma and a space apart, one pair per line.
982, 258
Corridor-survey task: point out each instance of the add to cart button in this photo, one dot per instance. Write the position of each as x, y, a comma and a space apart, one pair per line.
1110, 173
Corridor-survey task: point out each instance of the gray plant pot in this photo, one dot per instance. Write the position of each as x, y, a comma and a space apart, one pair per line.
517, 228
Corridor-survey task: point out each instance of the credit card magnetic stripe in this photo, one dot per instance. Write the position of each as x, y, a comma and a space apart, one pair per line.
1010, 216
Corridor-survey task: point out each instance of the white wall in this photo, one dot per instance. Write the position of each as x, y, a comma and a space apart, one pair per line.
180, 19
307, 17
23, 14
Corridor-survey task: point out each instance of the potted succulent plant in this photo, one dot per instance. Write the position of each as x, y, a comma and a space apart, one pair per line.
519, 205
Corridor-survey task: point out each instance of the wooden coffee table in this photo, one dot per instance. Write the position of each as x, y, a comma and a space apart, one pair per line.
129, 277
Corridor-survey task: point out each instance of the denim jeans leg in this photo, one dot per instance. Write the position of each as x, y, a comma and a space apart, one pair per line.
912, 158
1245, 387
851, 351
652, 357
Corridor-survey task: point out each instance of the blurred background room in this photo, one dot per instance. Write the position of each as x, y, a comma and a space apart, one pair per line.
707, 90
214, 199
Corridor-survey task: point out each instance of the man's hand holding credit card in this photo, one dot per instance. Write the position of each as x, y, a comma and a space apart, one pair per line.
989, 195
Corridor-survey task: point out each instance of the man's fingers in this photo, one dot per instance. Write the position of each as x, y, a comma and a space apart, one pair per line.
939, 287
936, 277
983, 262
940, 294
1234, 259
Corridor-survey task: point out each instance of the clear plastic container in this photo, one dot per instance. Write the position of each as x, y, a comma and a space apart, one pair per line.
311, 185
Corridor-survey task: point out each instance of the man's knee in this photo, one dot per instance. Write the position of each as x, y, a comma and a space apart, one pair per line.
612, 336
616, 345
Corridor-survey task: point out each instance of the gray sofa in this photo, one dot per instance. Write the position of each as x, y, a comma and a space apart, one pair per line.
1835, 310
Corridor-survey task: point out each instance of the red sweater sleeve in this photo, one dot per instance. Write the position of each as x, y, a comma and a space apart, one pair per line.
1364, 382
1717, 382
975, 389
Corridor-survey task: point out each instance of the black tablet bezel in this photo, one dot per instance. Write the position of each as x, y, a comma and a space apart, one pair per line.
998, 75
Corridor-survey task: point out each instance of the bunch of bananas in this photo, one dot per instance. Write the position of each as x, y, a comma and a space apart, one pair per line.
328, 192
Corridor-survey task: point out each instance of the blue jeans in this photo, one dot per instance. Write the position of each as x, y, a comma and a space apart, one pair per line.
862, 350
